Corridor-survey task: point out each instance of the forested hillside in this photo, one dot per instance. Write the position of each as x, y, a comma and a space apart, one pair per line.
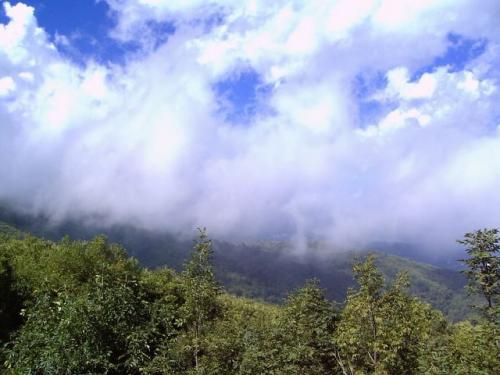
85, 307
266, 270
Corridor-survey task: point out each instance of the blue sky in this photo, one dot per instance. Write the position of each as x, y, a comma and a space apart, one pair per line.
88, 25
352, 121
86, 16
85, 23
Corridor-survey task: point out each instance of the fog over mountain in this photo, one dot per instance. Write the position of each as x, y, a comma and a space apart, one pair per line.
349, 121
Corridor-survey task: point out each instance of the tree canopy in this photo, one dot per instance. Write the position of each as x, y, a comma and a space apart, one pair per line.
86, 307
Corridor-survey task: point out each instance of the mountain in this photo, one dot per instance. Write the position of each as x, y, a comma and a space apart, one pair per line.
263, 272
267, 270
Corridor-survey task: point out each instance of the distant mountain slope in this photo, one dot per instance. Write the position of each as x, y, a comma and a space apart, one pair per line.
8, 230
262, 273
265, 270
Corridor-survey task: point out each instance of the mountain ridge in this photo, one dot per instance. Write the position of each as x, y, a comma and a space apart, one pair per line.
268, 270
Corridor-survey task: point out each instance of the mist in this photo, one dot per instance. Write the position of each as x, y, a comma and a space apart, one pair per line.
351, 122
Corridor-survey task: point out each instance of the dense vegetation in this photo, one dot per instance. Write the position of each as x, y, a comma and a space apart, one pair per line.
274, 267
83, 307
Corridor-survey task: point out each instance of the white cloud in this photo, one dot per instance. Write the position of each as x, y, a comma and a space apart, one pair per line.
399, 85
13, 35
145, 143
401, 14
26, 76
7, 85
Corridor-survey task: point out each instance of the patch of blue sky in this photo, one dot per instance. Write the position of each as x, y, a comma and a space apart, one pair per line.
81, 48
242, 96
365, 86
211, 21
459, 53
160, 31
68, 17
461, 50
81, 29
367, 83
3, 17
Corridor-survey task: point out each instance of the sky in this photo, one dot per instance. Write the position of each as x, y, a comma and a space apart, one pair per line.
350, 121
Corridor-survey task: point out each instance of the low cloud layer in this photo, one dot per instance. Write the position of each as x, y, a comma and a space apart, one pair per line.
368, 120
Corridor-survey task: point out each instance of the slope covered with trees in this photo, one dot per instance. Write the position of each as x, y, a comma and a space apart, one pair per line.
266, 270
85, 307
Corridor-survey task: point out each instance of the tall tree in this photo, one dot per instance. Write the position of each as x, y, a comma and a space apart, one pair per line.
483, 248
201, 293
304, 332
381, 331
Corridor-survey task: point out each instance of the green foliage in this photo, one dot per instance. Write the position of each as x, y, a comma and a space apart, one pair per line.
443, 289
201, 288
463, 349
201, 305
75, 307
272, 271
234, 342
381, 331
304, 332
199, 309
81, 301
8, 231
483, 248
10, 301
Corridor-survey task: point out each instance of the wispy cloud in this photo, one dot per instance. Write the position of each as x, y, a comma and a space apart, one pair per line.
159, 141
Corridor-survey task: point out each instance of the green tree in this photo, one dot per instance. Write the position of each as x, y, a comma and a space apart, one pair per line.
462, 349
295, 339
234, 343
304, 334
201, 292
199, 309
381, 331
483, 248
10, 301
78, 321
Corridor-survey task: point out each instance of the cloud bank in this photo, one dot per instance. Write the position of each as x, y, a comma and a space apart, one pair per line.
351, 121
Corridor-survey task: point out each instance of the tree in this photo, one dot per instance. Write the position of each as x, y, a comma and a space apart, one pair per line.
10, 302
304, 332
201, 306
381, 331
483, 247
240, 342
79, 318
462, 349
